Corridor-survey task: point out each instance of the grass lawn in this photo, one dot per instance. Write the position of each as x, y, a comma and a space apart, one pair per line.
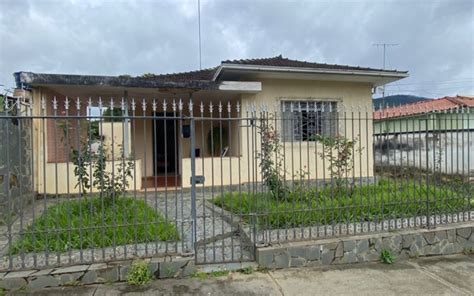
313, 206
91, 223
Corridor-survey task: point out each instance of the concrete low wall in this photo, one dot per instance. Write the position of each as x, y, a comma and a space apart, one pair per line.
100, 273
443, 240
445, 152
164, 267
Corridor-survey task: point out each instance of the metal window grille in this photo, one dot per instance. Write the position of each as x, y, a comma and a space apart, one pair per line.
303, 120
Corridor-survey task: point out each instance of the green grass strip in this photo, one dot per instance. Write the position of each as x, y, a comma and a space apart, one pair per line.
319, 206
103, 224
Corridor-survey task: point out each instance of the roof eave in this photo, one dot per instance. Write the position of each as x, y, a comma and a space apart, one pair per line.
29, 79
375, 73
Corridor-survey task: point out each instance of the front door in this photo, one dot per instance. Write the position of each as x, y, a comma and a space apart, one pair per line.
165, 142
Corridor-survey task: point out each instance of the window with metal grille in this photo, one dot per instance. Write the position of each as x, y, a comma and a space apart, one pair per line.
303, 120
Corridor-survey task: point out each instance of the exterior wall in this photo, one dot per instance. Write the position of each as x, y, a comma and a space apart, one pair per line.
306, 157
63, 133
433, 121
141, 137
345, 93
61, 179
218, 171
47, 167
444, 152
113, 141
353, 125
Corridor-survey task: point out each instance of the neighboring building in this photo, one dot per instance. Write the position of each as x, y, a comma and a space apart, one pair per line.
276, 81
439, 129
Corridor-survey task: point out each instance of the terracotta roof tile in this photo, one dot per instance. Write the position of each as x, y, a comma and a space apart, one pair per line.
278, 61
435, 105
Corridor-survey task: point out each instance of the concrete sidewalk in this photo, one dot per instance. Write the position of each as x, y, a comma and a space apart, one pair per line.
448, 275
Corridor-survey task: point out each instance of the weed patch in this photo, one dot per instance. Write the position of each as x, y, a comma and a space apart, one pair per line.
387, 257
139, 274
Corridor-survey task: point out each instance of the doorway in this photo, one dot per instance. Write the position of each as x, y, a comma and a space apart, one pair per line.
165, 150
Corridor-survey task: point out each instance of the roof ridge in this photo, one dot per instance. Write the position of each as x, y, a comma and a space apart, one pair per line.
253, 59
464, 97
186, 72
454, 100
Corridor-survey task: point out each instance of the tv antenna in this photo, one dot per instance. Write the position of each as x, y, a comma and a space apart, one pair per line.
384, 45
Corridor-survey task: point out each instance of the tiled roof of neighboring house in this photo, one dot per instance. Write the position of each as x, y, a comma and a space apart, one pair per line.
466, 101
435, 105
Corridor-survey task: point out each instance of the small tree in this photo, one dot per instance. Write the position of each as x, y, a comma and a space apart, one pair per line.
86, 161
108, 183
271, 164
338, 152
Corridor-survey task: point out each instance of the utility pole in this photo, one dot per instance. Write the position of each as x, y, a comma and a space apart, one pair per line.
384, 45
199, 26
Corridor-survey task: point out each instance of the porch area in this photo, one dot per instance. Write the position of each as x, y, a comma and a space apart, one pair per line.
147, 127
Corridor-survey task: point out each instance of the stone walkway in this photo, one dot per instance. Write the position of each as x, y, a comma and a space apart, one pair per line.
448, 275
218, 234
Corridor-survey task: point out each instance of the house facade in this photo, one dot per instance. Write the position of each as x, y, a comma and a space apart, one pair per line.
221, 102
437, 135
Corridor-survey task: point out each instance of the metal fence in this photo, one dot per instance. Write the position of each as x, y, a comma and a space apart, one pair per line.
125, 178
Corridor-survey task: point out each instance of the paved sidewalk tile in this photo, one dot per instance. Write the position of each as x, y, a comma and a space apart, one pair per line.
448, 275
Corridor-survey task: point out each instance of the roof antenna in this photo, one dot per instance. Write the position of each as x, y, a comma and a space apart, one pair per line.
384, 45
199, 26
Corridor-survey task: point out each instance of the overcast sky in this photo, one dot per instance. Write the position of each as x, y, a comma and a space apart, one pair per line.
435, 38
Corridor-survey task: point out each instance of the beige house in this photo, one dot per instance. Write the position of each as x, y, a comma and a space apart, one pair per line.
161, 147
